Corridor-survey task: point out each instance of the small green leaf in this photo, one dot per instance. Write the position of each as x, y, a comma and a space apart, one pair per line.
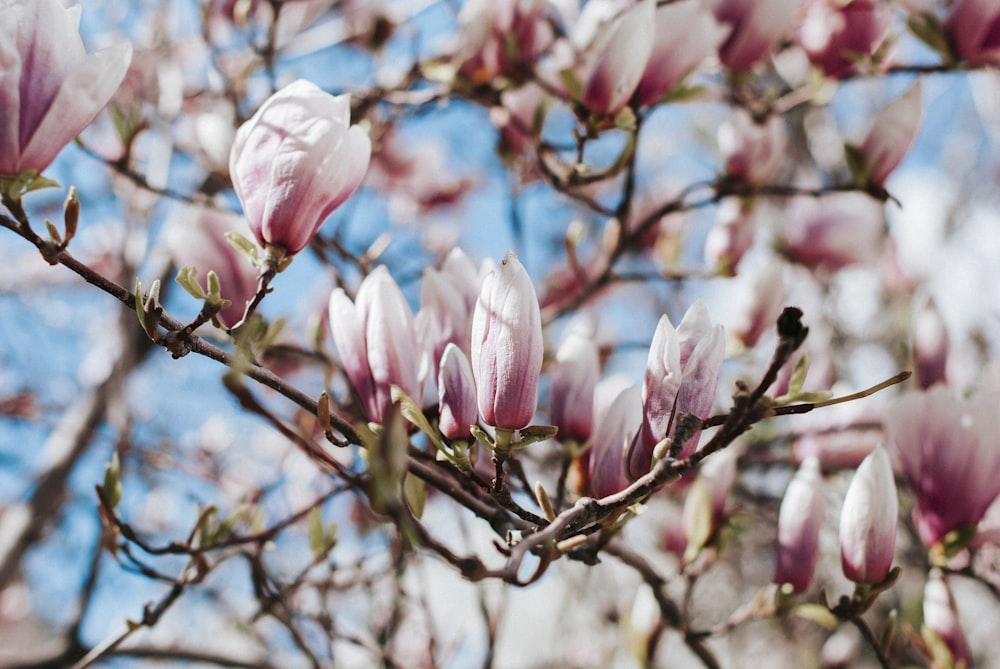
387, 462
112, 487
415, 494
818, 614
53, 231
412, 413
798, 375
317, 533
187, 277
571, 82
535, 433
244, 247
697, 519
625, 120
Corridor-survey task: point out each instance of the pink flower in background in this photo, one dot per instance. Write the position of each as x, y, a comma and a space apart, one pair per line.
682, 372
456, 394
948, 450
615, 429
833, 232
50, 87
941, 617
295, 161
973, 27
753, 151
507, 346
868, 521
891, 135
930, 346
799, 522
759, 314
837, 34
686, 34
573, 381
622, 60
757, 28
197, 237
731, 236
375, 339
711, 487
444, 318
501, 37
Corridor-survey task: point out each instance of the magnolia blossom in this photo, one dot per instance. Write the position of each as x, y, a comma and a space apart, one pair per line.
868, 521
837, 34
799, 522
197, 237
682, 373
833, 232
941, 617
647, 51
973, 28
930, 346
573, 382
444, 319
686, 34
507, 346
374, 336
753, 150
712, 486
295, 161
757, 27
890, 136
501, 37
623, 57
615, 429
50, 87
456, 394
950, 458
731, 236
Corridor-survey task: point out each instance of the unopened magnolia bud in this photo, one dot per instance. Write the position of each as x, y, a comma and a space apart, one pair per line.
71, 215
868, 521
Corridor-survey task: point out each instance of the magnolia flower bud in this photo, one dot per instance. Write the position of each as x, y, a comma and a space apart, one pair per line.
456, 394
757, 27
682, 373
295, 161
868, 521
930, 346
50, 87
891, 134
947, 448
941, 617
622, 60
837, 34
686, 34
375, 338
507, 346
799, 522
573, 381
613, 433
972, 26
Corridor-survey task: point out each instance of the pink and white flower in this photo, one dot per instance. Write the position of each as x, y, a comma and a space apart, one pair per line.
947, 447
507, 346
375, 338
295, 161
50, 87
682, 372
838, 35
799, 521
868, 521
973, 27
